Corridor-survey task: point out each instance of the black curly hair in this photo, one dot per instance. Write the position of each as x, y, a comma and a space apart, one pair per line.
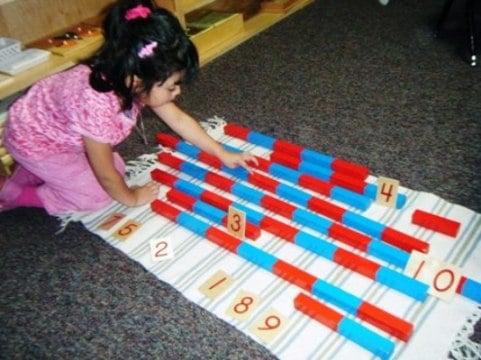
118, 60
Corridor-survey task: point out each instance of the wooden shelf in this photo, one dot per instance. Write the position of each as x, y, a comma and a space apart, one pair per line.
252, 27
211, 43
54, 64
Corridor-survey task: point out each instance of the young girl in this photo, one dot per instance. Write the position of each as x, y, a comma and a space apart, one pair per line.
61, 132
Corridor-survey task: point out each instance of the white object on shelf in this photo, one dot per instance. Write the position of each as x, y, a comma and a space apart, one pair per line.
8, 48
23, 60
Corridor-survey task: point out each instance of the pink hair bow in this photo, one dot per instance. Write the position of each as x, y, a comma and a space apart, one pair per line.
139, 11
147, 50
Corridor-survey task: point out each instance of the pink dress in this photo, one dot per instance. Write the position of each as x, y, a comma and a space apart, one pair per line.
44, 131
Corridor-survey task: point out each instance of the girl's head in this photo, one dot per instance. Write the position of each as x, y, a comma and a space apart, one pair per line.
144, 46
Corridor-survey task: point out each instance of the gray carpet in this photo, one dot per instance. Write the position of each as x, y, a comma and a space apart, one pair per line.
350, 78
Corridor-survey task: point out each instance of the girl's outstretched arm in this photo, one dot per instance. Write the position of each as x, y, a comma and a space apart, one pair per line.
102, 161
188, 128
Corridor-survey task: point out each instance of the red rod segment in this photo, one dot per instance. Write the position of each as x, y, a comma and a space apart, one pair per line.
278, 206
278, 228
312, 183
262, 181
219, 181
294, 275
404, 241
237, 131
356, 263
435, 222
385, 321
349, 236
223, 239
318, 311
163, 177
216, 200
285, 159
165, 210
170, 160
348, 182
326, 208
167, 140
287, 147
350, 168
182, 199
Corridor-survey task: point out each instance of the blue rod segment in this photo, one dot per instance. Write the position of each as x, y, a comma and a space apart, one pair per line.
193, 170
314, 221
193, 224
284, 173
208, 211
371, 191
253, 216
401, 201
314, 170
316, 245
388, 253
231, 148
398, 281
472, 290
247, 193
188, 188
363, 224
317, 158
187, 149
290, 193
256, 256
351, 198
238, 172
366, 338
261, 140
336, 296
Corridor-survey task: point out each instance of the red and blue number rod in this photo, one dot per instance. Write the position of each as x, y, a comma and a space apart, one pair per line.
302, 198
340, 256
341, 324
342, 166
332, 294
319, 169
208, 211
320, 173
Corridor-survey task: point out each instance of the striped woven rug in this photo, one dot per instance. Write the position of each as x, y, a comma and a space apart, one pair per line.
195, 266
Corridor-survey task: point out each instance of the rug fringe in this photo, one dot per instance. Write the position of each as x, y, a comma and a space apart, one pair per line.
463, 348
214, 126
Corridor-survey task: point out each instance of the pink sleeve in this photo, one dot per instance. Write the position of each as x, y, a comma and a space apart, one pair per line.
95, 117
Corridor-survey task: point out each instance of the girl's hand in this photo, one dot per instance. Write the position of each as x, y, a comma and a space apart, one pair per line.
146, 193
232, 159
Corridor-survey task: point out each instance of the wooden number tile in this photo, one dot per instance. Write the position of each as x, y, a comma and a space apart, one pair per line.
111, 221
127, 230
236, 222
243, 305
161, 249
216, 285
442, 278
269, 325
445, 282
421, 267
387, 190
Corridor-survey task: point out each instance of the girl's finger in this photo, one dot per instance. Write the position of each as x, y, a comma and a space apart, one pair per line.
244, 164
